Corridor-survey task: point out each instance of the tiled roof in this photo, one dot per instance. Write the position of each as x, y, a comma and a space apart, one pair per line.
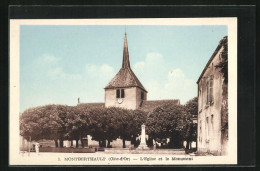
92, 105
125, 77
149, 106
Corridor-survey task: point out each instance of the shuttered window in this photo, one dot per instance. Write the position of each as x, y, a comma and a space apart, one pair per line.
210, 97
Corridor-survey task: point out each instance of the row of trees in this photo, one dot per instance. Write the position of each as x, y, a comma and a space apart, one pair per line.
59, 122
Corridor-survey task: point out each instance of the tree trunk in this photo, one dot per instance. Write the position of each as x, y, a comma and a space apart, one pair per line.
77, 143
187, 144
61, 143
71, 143
82, 143
99, 143
56, 143
108, 143
123, 143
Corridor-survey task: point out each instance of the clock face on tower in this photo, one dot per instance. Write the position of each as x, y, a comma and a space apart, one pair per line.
120, 100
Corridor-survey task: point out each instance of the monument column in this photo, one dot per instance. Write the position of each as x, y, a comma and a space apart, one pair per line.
143, 145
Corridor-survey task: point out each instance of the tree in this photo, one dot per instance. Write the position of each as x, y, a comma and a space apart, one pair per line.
192, 106
44, 122
223, 64
77, 126
111, 123
190, 130
121, 124
103, 124
138, 118
167, 121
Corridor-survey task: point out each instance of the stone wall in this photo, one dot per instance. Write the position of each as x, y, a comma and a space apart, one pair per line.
129, 102
138, 97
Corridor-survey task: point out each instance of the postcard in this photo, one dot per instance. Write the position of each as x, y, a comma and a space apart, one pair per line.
154, 91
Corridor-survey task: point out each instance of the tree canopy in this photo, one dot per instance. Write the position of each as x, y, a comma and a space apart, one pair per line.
167, 121
61, 122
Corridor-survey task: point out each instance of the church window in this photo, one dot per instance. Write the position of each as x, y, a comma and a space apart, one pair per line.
142, 95
122, 93
117, 93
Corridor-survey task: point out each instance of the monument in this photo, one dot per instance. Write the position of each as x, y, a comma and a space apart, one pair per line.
143, 145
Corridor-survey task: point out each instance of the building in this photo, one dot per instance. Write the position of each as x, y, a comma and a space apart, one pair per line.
212, 106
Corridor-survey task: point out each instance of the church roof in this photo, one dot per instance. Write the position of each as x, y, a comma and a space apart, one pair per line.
125, 77
150, 105
92, 105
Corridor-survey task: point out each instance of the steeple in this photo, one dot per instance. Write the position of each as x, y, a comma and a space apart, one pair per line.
125, 77
126, 62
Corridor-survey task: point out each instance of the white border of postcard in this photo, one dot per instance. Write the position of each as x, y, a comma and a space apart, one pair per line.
16, 158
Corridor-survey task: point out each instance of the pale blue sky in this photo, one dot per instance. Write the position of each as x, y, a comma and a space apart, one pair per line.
58, 64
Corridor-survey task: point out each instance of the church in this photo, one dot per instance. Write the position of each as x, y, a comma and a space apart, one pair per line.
126, 91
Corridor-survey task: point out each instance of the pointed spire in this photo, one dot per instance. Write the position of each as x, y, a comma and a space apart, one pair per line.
126, 62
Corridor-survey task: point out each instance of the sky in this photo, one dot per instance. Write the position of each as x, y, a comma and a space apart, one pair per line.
59, 64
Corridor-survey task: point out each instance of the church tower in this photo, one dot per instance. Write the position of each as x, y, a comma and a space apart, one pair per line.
125, 90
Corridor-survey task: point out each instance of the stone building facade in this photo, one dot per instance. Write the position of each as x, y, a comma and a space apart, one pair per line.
212, 99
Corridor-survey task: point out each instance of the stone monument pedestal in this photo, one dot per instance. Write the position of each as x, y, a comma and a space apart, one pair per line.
143, 145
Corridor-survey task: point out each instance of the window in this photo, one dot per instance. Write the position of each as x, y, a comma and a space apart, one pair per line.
120, 93
201, 99
207, 126
211, 89
210, 98
200, 127
142, 95
212, 121
207, 86
117, 93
